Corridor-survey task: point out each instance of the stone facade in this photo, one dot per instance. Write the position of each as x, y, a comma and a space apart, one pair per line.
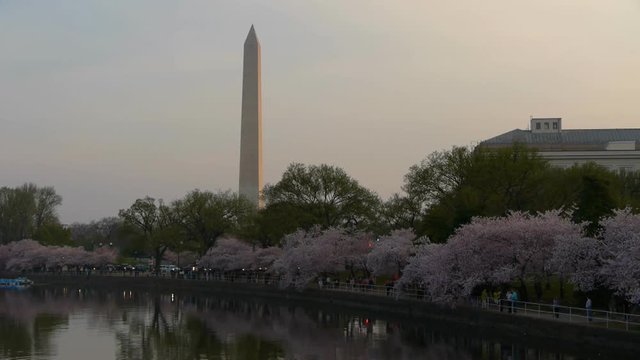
615, 149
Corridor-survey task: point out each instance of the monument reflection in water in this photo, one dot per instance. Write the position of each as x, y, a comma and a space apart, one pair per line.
65, 323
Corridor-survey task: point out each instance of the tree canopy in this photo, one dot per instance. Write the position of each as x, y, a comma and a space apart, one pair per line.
447, 189
156, 225
321, 195
29, 212
205, 216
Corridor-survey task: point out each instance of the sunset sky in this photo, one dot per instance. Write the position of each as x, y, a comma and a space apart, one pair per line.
109, 101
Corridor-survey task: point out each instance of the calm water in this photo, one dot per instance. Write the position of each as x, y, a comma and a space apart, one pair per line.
71, 323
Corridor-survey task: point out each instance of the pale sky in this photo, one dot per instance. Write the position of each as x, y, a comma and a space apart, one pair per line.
109, 101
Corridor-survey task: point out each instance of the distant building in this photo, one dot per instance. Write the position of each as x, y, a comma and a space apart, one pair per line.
615, 149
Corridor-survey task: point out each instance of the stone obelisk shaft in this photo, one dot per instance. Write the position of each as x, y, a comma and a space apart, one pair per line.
251, 126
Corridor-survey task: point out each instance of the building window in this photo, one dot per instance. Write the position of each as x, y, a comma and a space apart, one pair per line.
555, 126
537, 126
546, 126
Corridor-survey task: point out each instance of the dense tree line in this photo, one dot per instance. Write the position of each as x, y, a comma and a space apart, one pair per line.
321, 205
449, 188
29, 212
192, 223
440, 194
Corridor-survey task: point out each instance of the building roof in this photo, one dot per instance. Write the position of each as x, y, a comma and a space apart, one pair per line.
573, 139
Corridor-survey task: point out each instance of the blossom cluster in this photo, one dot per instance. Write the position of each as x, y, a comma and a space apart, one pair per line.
29, 254
487, 252
530, 248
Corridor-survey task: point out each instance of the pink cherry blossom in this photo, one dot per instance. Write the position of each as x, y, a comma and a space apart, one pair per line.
490, 251
391, 253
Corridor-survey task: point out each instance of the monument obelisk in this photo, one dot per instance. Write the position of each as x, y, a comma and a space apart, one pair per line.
251, 126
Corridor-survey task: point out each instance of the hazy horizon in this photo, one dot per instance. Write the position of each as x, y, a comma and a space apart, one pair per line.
113, 101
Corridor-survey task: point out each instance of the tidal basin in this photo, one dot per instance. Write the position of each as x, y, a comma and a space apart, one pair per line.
71, 322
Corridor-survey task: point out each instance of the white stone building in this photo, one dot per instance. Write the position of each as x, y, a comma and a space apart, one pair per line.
616, 149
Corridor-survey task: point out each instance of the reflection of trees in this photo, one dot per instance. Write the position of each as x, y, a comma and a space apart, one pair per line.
302, 333
24, 330
147, 333
193, 327
15, 339
166, 333
44, 326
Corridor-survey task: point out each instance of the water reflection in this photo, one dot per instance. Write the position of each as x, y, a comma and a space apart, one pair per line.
65, 323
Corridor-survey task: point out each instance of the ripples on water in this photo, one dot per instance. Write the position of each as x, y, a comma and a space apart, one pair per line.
66, 323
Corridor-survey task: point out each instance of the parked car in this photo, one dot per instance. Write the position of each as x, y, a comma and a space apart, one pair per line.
169, 269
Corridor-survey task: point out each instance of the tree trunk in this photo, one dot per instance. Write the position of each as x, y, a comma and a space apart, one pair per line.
537, 285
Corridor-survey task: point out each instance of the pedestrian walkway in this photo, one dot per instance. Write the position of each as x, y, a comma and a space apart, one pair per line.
608, 319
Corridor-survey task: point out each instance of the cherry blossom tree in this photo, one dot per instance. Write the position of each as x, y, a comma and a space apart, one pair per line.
266, 257
302, 259
30, 255
492, 251
22, 255
391, 253
353, 249
533, 239
180, 257
620, 254
102, 256
577, 259
56, 258
228, 254
308, 254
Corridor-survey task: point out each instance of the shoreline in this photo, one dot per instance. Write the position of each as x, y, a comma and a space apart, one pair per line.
525, 330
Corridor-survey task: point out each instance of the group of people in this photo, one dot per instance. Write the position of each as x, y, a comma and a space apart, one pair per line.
511, 298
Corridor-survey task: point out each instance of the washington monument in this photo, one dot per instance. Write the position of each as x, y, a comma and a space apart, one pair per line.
251, 126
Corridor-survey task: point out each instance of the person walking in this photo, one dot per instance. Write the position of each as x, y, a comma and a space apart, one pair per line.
556, 307
588, 306
509, 301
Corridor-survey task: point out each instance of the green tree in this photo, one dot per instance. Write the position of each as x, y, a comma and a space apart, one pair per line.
53, 234
401, 212
107, 231
46, 201
27, 210
437, 176
594, 192
321, 195
156, 224
16, 214
456, 185
272, 223
205, 216
630, 189
507, 179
